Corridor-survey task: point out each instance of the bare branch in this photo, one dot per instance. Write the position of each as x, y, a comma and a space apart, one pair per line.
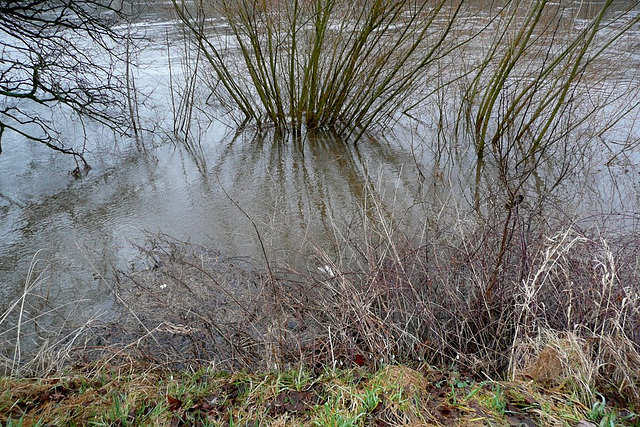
61, 54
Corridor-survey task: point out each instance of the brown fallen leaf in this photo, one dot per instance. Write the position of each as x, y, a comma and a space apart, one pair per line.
174, 404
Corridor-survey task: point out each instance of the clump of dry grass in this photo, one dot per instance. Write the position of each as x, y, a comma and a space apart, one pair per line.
584, 366
577, 320
35, 337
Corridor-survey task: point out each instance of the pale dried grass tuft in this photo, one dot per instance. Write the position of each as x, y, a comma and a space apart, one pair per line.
562, 362
574, 320
36, 338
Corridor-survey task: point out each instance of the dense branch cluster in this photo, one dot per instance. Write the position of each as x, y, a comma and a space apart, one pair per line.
59, 53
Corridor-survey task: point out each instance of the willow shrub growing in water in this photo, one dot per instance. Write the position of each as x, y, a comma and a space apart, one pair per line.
531, 88
319, 64
344, 66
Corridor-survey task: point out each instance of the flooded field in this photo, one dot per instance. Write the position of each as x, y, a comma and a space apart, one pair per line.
242, 193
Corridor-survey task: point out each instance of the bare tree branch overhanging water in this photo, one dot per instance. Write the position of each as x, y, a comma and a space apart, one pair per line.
60, 57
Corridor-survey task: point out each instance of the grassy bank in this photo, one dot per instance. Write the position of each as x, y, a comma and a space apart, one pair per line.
357, 396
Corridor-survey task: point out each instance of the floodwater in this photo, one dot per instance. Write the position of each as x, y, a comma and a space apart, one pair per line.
296, 191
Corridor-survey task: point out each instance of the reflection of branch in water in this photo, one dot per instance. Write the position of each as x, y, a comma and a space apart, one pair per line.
11, 201
264, 251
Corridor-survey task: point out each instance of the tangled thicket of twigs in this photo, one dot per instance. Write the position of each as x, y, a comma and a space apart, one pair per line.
567, 294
